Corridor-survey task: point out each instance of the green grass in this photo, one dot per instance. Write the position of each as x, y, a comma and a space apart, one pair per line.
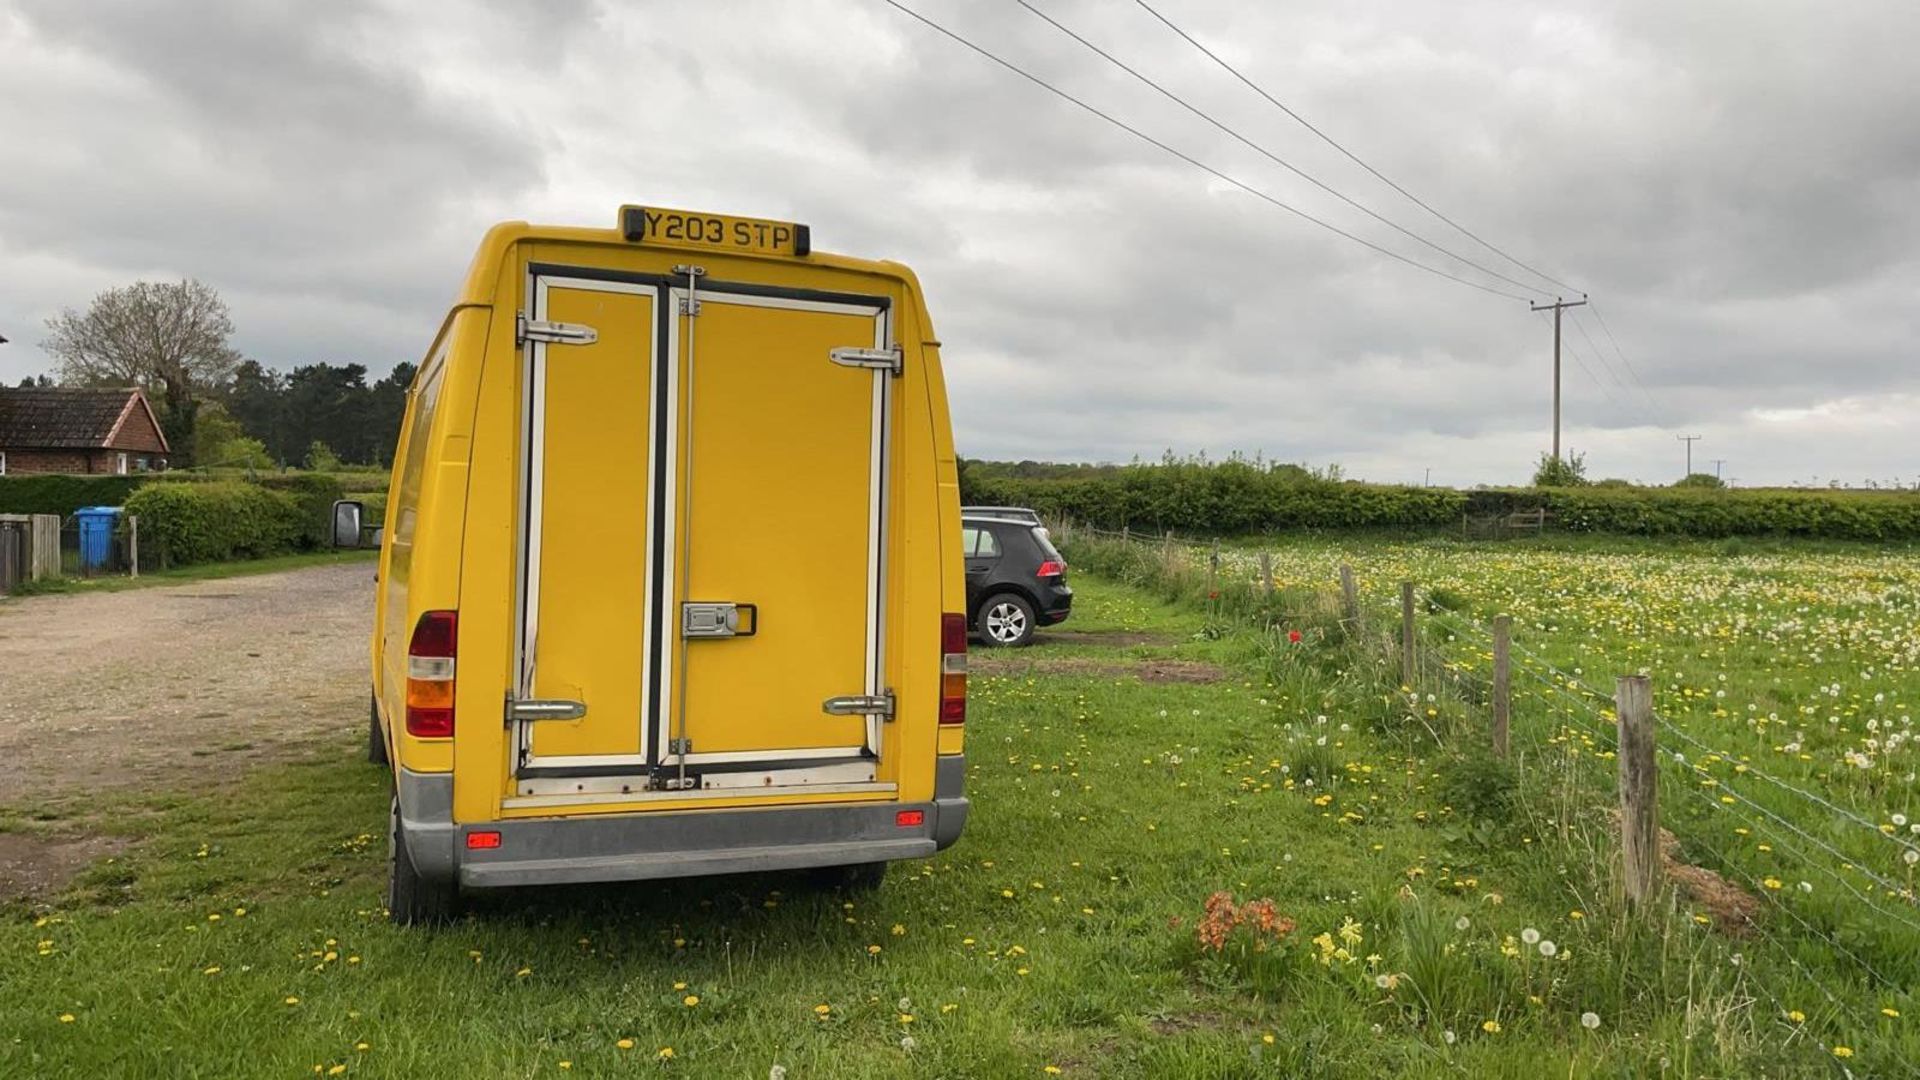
198, 572
240, 934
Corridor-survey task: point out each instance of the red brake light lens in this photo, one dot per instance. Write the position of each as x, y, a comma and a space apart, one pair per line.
1051, 568
953, 668
430, 667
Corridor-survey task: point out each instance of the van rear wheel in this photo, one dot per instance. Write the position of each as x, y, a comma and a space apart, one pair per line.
411, 899
1006, 619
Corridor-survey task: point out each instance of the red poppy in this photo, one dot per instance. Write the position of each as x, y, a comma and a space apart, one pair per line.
1214, 595
1293, 636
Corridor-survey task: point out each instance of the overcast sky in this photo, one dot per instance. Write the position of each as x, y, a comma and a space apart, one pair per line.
1736, 184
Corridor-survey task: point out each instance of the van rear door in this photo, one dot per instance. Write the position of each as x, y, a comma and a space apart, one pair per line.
704, 523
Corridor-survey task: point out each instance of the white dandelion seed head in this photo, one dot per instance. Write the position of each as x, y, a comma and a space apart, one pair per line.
778, 1072
1530, 936
1382, 981
1448, 1037
907, 1043
1806, 886
1548, 948
1462, 923
1910, 856
1590, 1021
1899, 819
906, 1006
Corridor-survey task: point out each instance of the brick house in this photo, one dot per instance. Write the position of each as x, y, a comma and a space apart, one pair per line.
63, 429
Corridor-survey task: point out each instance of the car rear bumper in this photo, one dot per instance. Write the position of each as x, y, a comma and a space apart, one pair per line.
1057, 606
669, 844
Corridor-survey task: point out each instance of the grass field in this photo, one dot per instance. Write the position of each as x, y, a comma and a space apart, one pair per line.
1120, 779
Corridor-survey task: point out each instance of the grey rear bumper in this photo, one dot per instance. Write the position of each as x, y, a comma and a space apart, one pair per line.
633, 847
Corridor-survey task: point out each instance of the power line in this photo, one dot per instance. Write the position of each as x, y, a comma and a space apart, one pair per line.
1652, 405
1618, 351
1189, 159
1264, 152
1330, 141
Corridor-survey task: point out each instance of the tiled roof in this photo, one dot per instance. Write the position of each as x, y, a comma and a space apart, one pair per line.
60, 417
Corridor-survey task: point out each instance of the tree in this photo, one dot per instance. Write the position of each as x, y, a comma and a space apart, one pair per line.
255, 397
321, 458
1699, 480
166, 337
1569, 471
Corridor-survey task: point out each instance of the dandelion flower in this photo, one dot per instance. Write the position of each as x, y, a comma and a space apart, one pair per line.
1491, 1027
624, 1044
1530, 936
822, 1010
1893, 1013
293, 1000
1267, 1038
1796, 1016
1842, 1052
873, 950
690, 1000
1052, 1070
1590, 1021
679, 986
1548, 948
665, 1053
66, 1018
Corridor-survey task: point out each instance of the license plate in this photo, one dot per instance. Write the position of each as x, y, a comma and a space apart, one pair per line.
708, 232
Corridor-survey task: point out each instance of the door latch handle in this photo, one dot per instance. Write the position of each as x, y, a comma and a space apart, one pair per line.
545, 710
718, 620
860, 705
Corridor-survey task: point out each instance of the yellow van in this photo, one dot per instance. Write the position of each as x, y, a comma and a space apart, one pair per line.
669, 579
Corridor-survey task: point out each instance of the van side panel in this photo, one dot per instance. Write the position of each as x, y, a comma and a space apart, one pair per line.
427, 514
486, 568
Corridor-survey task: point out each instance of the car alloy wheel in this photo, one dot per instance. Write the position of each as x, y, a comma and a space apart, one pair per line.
1006, 622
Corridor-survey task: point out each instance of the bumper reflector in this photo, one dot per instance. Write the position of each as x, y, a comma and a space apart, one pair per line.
908, 819
479, 841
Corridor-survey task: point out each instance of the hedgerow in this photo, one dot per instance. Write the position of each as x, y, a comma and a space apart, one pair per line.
218, 521
1239, 497
56, 493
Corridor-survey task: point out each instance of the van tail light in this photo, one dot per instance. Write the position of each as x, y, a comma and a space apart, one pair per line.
953, 668
1051, 568
430, 655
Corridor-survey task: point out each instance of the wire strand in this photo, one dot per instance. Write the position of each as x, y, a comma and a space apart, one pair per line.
1193, 161
1266, 153
1351, 156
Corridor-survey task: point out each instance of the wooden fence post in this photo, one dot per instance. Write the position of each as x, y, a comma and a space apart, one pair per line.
1349, 598
1502, 681
1639, 812
133, 544
1126, 534
1407, 661
1266, 573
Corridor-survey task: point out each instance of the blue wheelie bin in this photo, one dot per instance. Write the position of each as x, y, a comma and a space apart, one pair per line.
96, 535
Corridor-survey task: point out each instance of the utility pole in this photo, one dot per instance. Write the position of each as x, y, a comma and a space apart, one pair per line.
1557, 307
1717, 462
1689, 440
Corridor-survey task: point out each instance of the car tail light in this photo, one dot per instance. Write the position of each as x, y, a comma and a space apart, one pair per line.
1051, 568
908, 819
953, 669
483, 841
430, 656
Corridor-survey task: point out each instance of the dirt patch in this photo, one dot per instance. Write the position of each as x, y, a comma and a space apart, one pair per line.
1174, 1025
1729, 906
147, 686
1146, 670
1101, 637
36, 868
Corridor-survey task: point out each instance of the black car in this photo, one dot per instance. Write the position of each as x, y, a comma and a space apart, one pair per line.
1016, 580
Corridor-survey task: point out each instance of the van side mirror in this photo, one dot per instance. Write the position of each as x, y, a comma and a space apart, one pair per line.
346, 523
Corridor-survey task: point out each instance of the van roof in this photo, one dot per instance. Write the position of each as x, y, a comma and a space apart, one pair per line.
483, 273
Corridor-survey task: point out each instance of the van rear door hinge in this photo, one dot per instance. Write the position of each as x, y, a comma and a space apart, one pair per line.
553, 333
888, 360
880, 705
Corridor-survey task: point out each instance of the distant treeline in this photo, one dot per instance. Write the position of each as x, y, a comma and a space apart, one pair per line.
288, 413
1235, 497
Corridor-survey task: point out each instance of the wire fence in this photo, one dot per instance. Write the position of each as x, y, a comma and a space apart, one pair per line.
1853, 899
